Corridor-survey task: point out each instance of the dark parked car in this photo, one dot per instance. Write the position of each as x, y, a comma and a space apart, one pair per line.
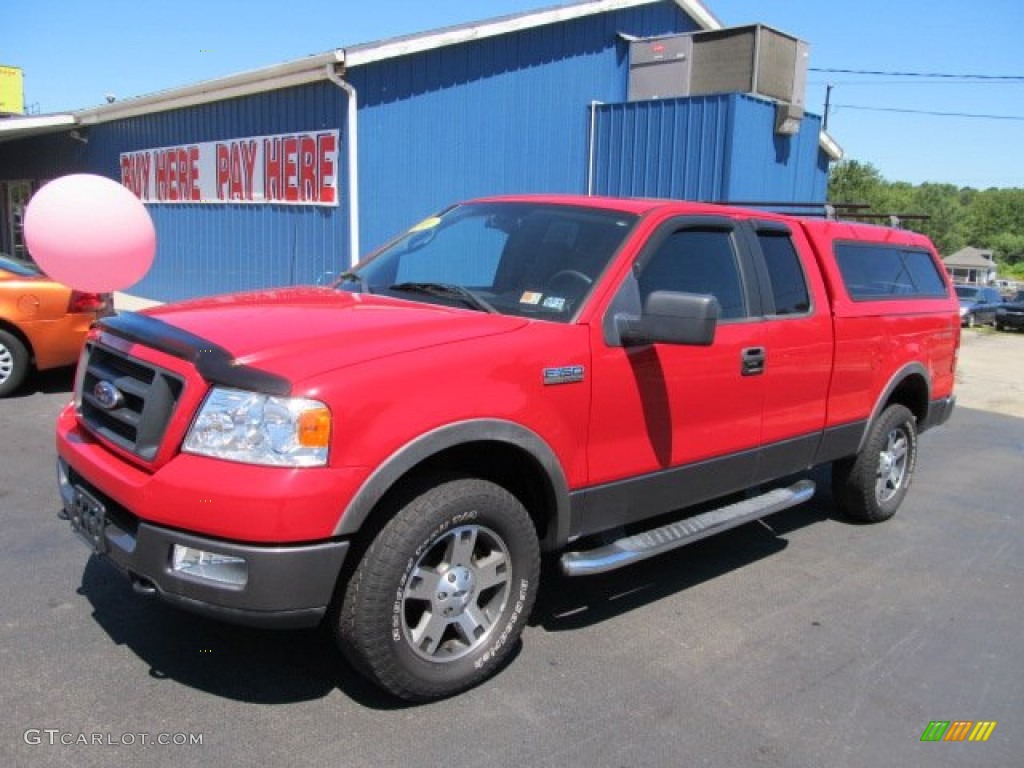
1010, 315
978, 304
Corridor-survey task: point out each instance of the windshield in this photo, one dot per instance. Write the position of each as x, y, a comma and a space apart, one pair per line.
19, 268
966, 292
522, 258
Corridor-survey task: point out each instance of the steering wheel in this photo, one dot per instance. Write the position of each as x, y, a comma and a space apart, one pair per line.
572, 274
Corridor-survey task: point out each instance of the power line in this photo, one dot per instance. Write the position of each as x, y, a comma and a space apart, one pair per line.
913, 83
946, 75
928, 112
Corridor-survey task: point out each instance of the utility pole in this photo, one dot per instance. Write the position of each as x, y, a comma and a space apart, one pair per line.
828, 100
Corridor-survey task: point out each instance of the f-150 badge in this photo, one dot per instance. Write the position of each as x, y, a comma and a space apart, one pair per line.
566, 374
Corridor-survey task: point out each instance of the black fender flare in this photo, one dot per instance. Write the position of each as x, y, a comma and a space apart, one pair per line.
908, 370
449, 436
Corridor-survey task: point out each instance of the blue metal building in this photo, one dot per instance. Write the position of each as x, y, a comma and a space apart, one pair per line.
529, 103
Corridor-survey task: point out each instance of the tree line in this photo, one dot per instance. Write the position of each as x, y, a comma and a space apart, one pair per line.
992, 219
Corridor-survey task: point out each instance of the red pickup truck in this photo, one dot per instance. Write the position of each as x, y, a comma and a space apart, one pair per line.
516, 375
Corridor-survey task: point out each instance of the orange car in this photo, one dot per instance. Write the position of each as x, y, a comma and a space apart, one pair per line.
42, 323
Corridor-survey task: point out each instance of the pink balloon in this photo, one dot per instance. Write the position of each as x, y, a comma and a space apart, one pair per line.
90, 233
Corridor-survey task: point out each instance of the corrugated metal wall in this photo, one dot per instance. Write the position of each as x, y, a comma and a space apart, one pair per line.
500, 115
706, 148
503, 114
675, 148
765, 166
211, 248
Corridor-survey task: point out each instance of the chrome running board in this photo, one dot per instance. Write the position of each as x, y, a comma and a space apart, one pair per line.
640, 546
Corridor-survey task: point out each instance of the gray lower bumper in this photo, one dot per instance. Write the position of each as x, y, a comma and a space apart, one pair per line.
939, 412
283, 586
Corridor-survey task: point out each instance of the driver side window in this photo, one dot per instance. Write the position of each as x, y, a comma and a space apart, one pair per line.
697, 261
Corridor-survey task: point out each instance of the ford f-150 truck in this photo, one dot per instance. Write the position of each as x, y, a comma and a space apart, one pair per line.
602, 379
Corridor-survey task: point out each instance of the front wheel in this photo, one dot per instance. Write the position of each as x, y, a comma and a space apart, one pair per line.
443, 593
870, 486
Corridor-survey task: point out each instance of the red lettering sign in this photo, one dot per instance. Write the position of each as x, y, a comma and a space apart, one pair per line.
294, 169
194, 193
308, 188
248, 166
236, 173
223, 171
291, 168
135, 173
272, 170
161, 176
326, 171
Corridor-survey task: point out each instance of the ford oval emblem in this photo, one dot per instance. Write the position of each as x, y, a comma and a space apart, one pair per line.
107, 395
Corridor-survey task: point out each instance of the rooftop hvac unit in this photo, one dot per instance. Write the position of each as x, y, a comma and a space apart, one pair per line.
751, 59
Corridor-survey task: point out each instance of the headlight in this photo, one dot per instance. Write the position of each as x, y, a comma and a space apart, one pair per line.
963, 311
261, 429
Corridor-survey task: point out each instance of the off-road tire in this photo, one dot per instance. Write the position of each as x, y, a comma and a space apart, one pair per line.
870, 486
441, 596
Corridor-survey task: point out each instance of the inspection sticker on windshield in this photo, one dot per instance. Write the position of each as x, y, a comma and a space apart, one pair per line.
556, 303
430, 223
530, 297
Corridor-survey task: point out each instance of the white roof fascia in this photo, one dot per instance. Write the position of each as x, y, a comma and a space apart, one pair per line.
697, 11
313, 68
32, 125
300, 72
403, 46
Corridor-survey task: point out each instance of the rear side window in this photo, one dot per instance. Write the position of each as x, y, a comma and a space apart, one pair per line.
789, 288
877, 271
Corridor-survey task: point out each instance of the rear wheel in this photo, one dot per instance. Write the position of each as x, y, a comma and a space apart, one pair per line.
443, 593
14, 363
870, 486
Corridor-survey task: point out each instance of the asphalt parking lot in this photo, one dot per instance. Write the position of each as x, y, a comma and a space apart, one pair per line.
802, 640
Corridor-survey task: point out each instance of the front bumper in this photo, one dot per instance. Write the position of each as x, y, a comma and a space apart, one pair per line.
283, 586
1013, 319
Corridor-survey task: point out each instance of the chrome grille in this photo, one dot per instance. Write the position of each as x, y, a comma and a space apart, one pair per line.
136, 418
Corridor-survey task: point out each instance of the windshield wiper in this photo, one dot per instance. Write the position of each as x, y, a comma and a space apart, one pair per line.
447, 290
354, 277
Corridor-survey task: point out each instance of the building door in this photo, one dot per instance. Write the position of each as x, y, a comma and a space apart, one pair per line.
17, 197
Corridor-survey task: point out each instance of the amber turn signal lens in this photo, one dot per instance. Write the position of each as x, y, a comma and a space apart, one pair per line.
314, 428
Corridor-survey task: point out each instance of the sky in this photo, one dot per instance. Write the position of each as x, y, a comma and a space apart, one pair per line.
73, 53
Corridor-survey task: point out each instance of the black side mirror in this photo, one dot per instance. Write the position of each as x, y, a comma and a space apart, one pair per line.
670, 317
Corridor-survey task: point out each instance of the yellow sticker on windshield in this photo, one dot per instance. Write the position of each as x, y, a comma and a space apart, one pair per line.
430, 223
